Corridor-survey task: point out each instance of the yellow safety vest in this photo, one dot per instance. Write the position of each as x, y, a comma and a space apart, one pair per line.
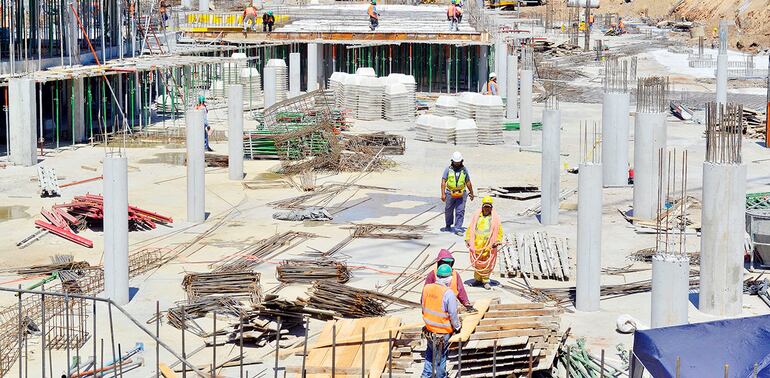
483, 228
456, 187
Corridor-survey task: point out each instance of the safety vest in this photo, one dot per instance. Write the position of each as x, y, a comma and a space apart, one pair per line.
372, 11
433, 314
453, 284
483, 227
456, 188
450, 11
200, 106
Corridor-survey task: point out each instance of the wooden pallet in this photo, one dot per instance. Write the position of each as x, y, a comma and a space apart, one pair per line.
536, 255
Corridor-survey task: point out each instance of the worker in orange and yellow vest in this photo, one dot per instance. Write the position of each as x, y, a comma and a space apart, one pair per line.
491, 87
483, 236
439, 312
456, 285
452, 14
374, 16
250, 16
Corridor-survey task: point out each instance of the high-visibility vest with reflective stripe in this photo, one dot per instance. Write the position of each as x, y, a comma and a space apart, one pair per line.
453, 284
451, 11
456, 187
433, 314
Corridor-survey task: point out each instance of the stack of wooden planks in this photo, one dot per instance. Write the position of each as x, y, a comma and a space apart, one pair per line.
535, 255
350, 355
504, 339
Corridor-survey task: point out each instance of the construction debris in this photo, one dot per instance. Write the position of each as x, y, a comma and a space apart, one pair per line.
49, 184
576, 361
253, 255
306, 271
351, 302
519, 193
646, 254
536, 255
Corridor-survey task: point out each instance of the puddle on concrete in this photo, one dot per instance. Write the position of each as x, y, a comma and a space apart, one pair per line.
405, 204
170, 158
13, 212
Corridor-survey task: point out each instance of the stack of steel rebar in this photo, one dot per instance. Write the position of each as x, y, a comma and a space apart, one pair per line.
237, 285
253, 255
293, 271
351, 302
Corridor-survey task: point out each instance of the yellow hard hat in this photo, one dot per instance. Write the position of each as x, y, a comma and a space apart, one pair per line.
487, 200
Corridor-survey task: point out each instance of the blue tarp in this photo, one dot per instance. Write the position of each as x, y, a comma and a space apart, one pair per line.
704, 348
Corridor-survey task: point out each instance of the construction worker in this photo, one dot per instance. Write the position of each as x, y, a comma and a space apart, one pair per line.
714, 37
374, 16
491, 88
621, 26
484, 235
267, 22
591, 22
454, 181
250, 16
451, 16
163, 12
456, 285
459, 12
439, 312
206, 129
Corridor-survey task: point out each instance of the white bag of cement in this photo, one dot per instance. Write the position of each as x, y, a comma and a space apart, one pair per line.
628, 324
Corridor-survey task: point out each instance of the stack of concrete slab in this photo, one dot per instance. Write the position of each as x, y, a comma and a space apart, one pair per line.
397, 103
410, 84
366, 71
442, 130
422, 126
217, 88
489, 113
466, 105
350, 93
446, 105
337, 86
281, 78
370, 99
466, 133
252, 85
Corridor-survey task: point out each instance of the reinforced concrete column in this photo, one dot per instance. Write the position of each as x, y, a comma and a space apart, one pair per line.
501, 63
722, 78
649, 137
235, 131
196, 165
482, 67
670, 289
722, 235
320, 72
615, 139
269, 73
22, 115
115, 187
203, 5
589, 237
78, 94
525, 114
295, 75
549, 172
512, 87
312, 67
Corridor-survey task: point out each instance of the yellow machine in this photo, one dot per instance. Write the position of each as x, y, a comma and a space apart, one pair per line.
502, 4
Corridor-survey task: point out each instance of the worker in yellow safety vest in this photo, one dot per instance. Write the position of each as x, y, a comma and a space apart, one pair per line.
439, 312
484, 235
491, 88
454, 182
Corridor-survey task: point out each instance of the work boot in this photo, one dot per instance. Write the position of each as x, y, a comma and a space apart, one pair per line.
208, 149
447, 229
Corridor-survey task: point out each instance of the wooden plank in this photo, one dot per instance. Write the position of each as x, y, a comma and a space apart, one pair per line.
507, 326
510, 333
516, 306
380, 358
522, 248
513, 313
470, 322
166, 371
564, 258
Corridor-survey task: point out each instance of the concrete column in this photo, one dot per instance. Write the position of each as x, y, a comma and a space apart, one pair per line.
196, 166
203, 5
235, 131
295, 76
186, 4
22, 115
320, 72
501, 64
723, 228
525, 113
649, 137
79, 115
615, 139
549, 172
115, 184
589, 237
312, 67
512, 88
722, 78
269, 74
483, 67
670, 289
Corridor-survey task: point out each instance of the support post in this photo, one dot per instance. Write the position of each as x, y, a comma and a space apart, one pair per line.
615, 139
482, 67
549, 173
501, 63
670, 289
512, 87
649, 138
525, 115
115, 183
196, 165
78, 110
589, 237
22, 110
295, 75
312, 67
270, 85
235, 131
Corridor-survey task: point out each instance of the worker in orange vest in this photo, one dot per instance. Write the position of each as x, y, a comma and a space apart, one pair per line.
491, 88
439, 312
456, 285
452, 14
621, 26
374, 16
250, 16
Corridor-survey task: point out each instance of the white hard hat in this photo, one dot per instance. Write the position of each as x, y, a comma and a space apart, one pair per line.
457, 157
492, 74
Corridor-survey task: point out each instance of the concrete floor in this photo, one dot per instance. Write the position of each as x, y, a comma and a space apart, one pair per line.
160, 187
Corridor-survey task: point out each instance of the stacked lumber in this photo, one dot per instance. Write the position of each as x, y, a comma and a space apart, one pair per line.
505, 338
536, 255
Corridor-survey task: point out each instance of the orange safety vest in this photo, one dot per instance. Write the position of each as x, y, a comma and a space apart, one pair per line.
200, 106
371, 11
433, 314
451, 11
453, 284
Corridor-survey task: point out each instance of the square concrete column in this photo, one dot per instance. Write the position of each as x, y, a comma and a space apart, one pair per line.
512, 90
22, 114
320, 72
312, 67
196, 166
295, 76
115, 185
78, 113
235, 131
483, 67
501, 65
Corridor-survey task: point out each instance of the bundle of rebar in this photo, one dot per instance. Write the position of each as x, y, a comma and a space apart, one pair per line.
652, 95
351, 302
645, 255
236, 285
724, 130
391, 144
615, 76
251, 256
388, 231
183, 315
294, 271
58, 263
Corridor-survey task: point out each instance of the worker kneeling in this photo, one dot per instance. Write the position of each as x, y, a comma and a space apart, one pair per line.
439, 312
483, 236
